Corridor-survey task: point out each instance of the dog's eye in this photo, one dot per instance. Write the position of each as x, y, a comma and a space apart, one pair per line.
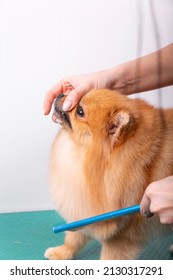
79, 111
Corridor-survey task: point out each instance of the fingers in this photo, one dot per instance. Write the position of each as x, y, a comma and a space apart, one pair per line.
73, 99
166, 217
50, 96
158, 199
74, 87
73, 96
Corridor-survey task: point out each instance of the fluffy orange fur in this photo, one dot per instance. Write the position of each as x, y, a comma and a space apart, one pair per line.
103, 159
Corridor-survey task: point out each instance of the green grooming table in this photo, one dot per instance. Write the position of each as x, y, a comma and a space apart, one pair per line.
26, 236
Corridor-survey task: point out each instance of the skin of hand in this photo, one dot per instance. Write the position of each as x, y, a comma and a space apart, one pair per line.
158, 199
145, 73
75, 87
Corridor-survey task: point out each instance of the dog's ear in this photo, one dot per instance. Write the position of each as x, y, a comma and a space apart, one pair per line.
119, 127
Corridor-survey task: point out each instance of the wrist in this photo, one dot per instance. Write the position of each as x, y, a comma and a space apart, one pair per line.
122, 79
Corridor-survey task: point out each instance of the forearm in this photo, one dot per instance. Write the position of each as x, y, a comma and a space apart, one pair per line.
146, 73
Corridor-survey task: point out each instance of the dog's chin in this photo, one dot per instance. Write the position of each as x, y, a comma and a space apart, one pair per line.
62, 118
57, 120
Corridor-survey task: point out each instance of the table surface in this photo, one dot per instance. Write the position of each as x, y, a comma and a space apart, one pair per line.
26, 236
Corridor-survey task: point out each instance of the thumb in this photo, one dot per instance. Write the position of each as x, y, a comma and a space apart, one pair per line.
145, 207
73, 99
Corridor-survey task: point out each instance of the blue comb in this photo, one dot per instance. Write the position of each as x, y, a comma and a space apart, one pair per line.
95, 219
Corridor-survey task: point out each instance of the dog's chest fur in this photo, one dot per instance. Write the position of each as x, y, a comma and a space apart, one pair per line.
69, 188
67, 180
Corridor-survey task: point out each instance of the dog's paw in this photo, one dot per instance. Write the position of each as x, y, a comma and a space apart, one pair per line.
58, 253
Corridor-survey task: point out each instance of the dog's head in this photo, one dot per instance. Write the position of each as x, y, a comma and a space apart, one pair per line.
101, 114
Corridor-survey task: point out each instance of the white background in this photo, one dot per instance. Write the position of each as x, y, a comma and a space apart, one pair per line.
41, 41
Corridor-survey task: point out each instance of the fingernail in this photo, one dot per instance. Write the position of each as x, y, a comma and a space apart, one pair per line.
66, 105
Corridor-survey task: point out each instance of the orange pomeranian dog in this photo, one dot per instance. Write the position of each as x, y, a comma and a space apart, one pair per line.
109, 149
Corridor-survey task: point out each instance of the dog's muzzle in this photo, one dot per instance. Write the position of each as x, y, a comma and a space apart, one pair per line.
60, 116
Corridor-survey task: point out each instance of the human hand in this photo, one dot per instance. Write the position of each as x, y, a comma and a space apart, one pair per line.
158, 199
75, 87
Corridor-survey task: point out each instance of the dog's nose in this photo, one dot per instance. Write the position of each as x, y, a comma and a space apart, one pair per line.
60, 96
58, 101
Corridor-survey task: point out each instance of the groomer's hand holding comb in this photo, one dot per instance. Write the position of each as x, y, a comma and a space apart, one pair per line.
158, 199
